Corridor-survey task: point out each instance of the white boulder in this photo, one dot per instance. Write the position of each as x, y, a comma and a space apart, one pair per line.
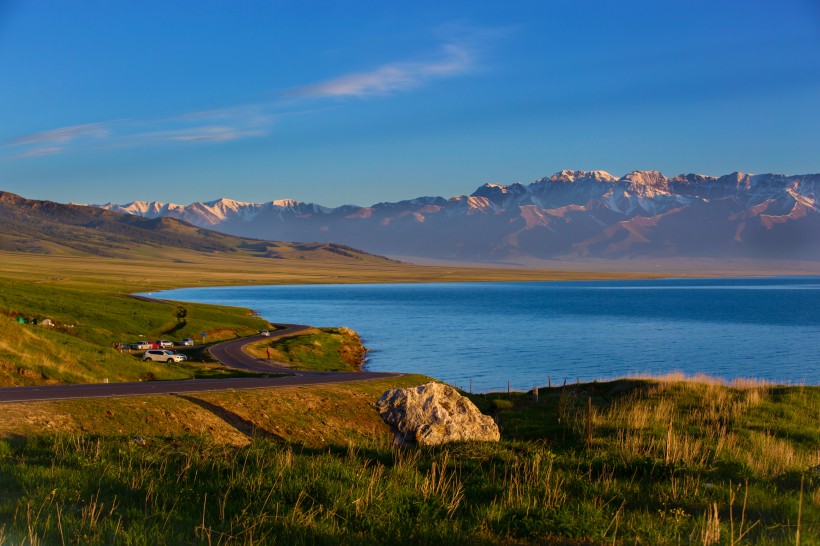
434, 413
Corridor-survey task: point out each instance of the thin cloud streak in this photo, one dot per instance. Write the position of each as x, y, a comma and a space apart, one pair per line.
36, 152
243, 121
392, 77
213, 126
64, 135
249, 114
197, 134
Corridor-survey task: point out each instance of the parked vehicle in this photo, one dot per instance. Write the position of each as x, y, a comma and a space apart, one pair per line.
264, 333
163, 355
187, 342
165, 343
141, 345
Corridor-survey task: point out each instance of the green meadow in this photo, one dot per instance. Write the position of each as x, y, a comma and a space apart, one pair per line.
79, 347
666, 461
655, 461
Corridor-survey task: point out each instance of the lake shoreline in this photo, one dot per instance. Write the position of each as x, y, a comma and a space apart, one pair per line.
487, 333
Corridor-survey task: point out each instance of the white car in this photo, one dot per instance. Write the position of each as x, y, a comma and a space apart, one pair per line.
187, 342
163, 355
166, 343
141, 345
264, 333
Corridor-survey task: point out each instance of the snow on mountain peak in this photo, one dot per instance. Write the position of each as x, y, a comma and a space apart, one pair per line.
285, 203
471, 204
149, 209
223, 209
581, 176
569, 214
144, 206
692, 178
224, 203
646, 178
643, 185
492, 191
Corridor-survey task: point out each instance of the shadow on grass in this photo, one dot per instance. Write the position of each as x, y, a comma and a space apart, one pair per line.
175, 328
236, 421
226, 373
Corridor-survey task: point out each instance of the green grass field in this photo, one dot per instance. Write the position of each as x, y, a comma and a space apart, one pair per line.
79, 347
625, 462
87, 298
318, 349
669, 462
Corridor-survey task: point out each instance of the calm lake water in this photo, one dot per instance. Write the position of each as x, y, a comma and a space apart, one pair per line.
492, 333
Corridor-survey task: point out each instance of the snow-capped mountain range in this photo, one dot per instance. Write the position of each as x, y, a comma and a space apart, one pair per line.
571, 214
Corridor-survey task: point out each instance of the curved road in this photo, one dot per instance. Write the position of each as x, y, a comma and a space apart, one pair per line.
228, 353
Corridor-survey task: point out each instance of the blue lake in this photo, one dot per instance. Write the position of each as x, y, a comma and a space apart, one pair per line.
492, 333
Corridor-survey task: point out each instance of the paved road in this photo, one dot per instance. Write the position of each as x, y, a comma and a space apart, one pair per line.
229, 353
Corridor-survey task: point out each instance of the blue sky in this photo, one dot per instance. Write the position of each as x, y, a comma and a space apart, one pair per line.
362, 102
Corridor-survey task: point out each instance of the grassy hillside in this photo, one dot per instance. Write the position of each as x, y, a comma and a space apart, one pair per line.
669, 462
48, 227
79, 347
321, 349
76, 265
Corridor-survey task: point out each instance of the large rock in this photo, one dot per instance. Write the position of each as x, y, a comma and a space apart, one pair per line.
434, 413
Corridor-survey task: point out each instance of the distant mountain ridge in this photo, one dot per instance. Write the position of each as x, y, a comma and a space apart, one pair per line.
46, 227
569, 215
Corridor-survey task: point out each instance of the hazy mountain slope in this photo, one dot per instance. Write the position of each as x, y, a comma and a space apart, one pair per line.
45, 226
572, 214
53, 228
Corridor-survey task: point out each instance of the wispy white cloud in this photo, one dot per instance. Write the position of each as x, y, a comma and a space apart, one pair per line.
214, 126
246, 114
34, 152
64, 135
244, 121
392, 77
198, 134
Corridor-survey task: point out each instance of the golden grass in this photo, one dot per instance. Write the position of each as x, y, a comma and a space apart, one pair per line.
36, 355
192, 269
703, 379
318, 415
691, 421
